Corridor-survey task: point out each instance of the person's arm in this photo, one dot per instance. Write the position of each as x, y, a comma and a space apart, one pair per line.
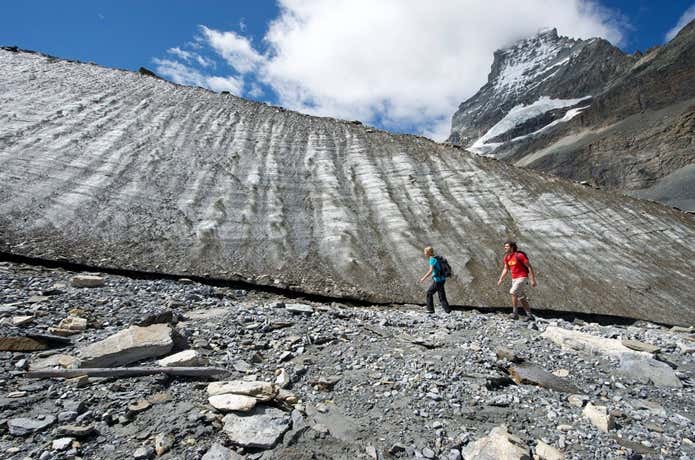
429, 272
503, 274
531, 274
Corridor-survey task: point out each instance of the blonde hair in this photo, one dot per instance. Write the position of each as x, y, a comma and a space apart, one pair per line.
429, 250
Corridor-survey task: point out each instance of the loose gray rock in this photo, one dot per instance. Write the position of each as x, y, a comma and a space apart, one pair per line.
143, 453
299, 308
88, 281
128, 346
23, 426
599, 417
647, 370
261, 428
219, 452
499, 444
232, 402
61, 444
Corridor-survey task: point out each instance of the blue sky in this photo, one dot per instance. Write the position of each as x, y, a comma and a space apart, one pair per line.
403, 65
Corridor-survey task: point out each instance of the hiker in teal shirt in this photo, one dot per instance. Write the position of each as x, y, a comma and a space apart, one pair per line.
438, 280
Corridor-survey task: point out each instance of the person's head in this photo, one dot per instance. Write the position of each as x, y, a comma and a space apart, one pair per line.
509, 246
429, 252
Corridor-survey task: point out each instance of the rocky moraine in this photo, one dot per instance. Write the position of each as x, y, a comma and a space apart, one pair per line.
301, 379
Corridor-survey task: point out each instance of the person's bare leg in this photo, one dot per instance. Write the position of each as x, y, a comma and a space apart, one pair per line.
526, 307
515, 305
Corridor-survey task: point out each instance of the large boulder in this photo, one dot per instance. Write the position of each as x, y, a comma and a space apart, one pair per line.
128, 346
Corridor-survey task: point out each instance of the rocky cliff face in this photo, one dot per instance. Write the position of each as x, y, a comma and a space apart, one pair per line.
586, 111
116, 169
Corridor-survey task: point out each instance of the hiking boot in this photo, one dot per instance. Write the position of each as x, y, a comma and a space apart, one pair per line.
513, 315
447, 310
429, 311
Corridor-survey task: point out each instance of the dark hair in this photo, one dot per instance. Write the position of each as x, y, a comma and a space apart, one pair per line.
512, 244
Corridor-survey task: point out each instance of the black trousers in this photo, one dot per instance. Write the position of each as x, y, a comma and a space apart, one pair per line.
437, 287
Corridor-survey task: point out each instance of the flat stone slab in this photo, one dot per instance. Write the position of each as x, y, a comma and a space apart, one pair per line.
232, 402
22, 320
650, 406
261, 390
529, 373
648, 370
128, 346
186, 358
261, 428
22, 426
499, 444
76, 430
32, 342
590, 344
53, 361
641, 346
87, 281
299, 308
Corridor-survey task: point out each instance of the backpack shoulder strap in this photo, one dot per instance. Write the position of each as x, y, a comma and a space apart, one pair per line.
517, 259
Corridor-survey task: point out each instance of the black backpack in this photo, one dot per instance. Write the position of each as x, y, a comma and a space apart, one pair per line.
444, 267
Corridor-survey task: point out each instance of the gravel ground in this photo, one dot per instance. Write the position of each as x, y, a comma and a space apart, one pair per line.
369, 382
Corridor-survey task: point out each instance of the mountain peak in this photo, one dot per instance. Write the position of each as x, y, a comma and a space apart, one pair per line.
545, 67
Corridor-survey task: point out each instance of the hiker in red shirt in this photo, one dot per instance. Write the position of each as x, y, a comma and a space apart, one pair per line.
518, 264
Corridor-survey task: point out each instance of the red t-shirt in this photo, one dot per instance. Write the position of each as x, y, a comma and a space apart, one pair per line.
516, 262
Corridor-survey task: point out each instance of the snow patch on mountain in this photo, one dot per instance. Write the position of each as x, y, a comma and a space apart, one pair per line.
532, 61
521, 113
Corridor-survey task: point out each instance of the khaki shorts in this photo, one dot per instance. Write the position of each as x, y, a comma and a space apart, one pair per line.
519, 286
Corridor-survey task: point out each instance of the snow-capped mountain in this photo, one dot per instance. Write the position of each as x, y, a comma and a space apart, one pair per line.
533, 84
118, 169
584, 110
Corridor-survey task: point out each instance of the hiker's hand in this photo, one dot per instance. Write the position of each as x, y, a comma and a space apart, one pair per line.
499, 283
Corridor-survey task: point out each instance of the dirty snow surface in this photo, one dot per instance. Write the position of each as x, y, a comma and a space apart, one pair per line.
115, 169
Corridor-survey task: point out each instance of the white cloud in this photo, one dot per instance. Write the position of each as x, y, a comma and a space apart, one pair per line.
189, 56
685, 18
178, 52
235, 49
398, 63
231, 84
186, 75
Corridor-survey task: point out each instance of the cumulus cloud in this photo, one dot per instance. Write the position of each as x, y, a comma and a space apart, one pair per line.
685, 18
186, 75
401, 64
234, 48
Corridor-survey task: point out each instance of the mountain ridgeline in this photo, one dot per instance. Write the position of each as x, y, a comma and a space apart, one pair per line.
584, 110
121, 170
